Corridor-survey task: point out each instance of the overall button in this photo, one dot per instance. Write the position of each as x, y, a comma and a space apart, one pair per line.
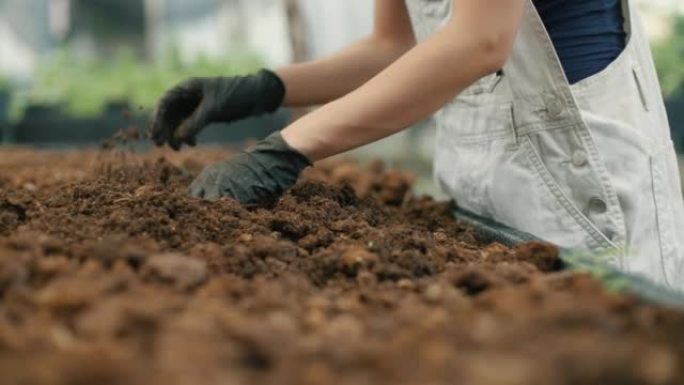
579, 158
598, 205
554, 105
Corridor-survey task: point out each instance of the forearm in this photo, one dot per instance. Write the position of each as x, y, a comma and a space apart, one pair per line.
321, 81
406, 92
476, 42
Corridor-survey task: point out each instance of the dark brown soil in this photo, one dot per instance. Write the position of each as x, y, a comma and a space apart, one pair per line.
109, 274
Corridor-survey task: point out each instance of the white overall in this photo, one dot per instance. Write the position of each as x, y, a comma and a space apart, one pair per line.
588, 166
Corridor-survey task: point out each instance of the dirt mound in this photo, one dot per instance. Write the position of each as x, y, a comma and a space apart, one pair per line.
110, 274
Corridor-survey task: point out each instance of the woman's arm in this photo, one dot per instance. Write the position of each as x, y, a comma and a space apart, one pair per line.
324, 80
475, 42
185, 109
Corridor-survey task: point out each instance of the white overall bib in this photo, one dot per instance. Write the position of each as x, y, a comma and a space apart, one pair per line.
588, 166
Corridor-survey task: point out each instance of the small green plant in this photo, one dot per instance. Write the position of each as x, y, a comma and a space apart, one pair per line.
669, 58
82, 87
597, 265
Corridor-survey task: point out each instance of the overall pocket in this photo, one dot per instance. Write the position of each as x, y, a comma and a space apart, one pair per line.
471, 140
485, 85
578, 191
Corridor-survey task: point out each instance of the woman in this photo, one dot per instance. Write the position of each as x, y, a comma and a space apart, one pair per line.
551, 120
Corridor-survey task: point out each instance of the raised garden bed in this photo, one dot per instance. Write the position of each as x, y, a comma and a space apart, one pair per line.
110, 275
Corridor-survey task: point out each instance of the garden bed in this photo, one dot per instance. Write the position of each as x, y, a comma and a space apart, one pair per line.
109, 274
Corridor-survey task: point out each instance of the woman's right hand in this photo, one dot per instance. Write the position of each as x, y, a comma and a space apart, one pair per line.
187, 108
257, 176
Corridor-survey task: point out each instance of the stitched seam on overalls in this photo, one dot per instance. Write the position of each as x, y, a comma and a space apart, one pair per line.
598, 166
658, 219
490, 137
536, 103
518, 131
535, 127
589, 227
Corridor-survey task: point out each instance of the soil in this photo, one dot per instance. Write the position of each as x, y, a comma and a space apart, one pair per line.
109, 274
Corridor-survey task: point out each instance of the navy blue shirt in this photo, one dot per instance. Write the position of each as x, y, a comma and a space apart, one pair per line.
588, 34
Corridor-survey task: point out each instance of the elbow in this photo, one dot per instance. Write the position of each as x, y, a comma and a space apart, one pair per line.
493, 51
487, 29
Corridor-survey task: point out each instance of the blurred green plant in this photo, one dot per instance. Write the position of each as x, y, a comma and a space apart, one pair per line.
82, 87
669, 58
4, 84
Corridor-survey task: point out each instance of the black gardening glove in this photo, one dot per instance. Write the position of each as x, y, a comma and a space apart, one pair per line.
259, 175
192, 105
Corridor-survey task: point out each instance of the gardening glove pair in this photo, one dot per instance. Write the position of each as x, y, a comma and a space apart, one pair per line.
259, 175
197, 102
